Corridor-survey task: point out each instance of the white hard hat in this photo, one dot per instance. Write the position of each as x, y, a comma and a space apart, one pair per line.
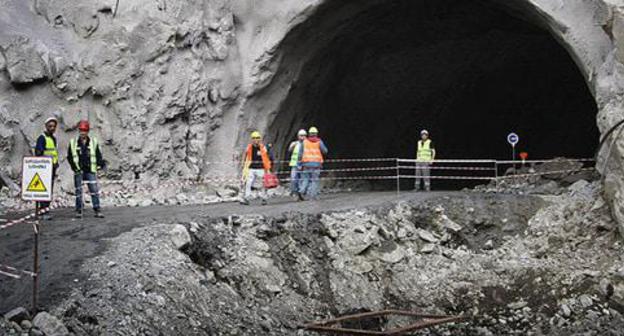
51, 119
302, 132
424, 132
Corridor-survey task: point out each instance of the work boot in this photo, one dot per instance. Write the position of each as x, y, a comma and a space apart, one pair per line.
99, 214
264, 202
244, 202
79, 214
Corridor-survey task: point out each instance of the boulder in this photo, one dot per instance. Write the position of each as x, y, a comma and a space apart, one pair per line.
427, 236
17, 315
50, 325
180, 236
24, 63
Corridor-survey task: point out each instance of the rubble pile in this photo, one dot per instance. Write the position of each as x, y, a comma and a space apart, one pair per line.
511, 264
548, 178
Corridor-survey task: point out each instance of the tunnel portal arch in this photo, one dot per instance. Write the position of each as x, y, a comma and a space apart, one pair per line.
371, 74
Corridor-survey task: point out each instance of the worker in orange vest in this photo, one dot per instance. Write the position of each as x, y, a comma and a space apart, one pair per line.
310, 164
257, 163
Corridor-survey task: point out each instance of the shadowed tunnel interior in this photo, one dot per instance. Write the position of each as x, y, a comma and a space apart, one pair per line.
468, 71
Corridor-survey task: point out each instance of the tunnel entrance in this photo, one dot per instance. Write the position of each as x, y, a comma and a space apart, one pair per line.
468, 71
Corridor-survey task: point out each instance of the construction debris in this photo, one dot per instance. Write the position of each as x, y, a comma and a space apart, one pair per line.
520, 264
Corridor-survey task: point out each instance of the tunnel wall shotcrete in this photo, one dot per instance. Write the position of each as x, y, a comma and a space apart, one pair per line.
173, 85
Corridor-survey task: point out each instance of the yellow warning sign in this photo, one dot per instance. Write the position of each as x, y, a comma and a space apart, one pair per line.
36, 184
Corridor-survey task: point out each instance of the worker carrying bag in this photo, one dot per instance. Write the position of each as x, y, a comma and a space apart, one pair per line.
270, 181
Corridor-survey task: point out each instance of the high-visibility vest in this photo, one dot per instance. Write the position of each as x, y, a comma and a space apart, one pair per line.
73, 147
295, 155
264, 154
50, 148
425, 153
312, 151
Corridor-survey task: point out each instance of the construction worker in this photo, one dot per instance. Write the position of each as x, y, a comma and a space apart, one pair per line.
294, 149
311, 162
47, 146
84, 157
257, 163
424, 159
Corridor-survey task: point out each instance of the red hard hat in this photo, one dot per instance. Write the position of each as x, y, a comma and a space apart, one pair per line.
83, 125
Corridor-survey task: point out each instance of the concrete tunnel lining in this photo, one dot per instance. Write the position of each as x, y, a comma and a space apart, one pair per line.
370, 76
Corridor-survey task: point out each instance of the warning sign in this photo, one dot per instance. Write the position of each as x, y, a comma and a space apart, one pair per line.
37, 179
36, 185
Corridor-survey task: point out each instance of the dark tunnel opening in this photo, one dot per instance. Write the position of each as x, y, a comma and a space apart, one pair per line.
468, 71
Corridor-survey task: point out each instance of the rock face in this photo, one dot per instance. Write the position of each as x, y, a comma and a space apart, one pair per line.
172, 87
154, 80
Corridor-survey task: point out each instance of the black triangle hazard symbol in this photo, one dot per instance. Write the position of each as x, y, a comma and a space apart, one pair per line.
36, 184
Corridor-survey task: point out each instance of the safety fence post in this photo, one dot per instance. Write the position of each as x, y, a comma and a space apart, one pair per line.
398, 177
496, 174
35, 266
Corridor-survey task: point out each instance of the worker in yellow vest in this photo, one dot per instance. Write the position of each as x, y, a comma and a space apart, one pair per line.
85, 158
310, 162
425, 156
47, 146
295, 172
257, 163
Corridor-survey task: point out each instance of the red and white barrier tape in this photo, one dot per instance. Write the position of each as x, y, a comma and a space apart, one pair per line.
449, 161
11, 275
325, 161
14, 270
433, 177
450, 168
54, 205
345, 170
510, 162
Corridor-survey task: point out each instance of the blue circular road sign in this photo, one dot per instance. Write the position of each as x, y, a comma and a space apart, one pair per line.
513, 139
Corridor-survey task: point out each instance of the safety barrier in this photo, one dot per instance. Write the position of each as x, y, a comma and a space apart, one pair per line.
403, 169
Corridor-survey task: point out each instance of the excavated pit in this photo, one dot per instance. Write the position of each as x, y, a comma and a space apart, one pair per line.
350, 262
371, 74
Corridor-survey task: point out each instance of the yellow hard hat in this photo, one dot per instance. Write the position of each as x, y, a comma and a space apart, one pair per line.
313, 130
256, 135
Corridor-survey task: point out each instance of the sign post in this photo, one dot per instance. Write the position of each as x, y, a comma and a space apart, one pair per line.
37, 187
513, 140
37, 179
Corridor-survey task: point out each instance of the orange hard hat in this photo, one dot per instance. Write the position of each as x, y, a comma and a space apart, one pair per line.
83, 125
